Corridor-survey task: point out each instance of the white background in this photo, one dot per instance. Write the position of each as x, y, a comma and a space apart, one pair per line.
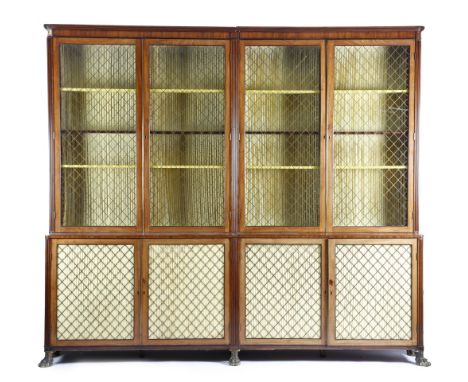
25, 180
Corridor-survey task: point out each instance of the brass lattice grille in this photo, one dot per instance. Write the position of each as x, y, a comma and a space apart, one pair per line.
98, 135
283, 291
187, 121
282, 140
186, 291
370, 118
373, 292
95, 292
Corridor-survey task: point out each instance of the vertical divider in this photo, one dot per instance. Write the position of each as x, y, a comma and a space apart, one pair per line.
139, 135
329, 134
146, 136
331, 329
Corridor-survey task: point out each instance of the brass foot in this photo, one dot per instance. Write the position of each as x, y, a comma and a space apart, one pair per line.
48, 359
420, 360
234, 360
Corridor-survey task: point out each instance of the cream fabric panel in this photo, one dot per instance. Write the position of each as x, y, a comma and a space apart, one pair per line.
373, 292
186, 291
283, 291
95, 292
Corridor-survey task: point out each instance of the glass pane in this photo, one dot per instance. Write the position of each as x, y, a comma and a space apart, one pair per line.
370, 117
187, 122
282, 135
98, 135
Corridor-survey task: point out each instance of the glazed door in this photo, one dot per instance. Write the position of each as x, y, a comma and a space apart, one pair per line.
282, 103
97, 134
373, 292
94, 292
282, 286
187, 131
371, 135
186, 292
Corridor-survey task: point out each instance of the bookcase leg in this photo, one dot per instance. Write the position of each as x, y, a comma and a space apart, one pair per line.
420, 360
234, 359
48, 359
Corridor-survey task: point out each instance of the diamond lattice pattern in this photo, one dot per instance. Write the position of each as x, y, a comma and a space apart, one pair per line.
187, 122
282, 141
98, 139
95, 292
373, 292
371, 136
283, 291
186, 291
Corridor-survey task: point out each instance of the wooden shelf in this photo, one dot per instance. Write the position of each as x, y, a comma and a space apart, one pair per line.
91, 90
281, 132
187, 167
283, 167
370, 132
97, 166
380, 91
186, 132
187, 90
370, 167
292, 91
98, 131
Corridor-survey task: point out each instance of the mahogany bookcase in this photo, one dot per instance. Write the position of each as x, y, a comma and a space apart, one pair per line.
233, 188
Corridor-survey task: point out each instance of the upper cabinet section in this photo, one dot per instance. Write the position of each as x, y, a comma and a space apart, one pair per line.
371, 134
281, 143
228, 130
97, 146
187, 129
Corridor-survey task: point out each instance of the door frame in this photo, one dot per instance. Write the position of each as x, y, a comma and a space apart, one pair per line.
331, 44
51, 299
55, 137
332, 293
226, 43
242, 293
241, 121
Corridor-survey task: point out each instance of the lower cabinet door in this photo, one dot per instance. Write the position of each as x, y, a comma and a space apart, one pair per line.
373, 292
282, 289
93, 292
185, 292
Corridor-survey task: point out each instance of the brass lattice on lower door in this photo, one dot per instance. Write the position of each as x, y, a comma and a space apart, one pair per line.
373, 292
186, 291
95, 292
283, 291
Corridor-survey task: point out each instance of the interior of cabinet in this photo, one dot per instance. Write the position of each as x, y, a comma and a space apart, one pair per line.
370, 141
98, 135
187, 124
282, 135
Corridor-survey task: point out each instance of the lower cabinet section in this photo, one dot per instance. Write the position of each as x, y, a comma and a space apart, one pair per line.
373, 292
287, 292
94, 289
